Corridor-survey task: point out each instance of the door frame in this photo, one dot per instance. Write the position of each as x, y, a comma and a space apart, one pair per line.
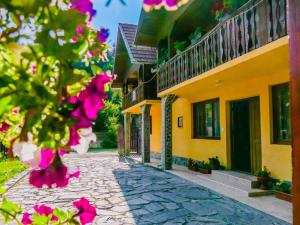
229, 133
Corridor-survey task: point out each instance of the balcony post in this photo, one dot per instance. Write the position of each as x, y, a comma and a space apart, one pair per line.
167, 158
145, 134
294, 49
127, 132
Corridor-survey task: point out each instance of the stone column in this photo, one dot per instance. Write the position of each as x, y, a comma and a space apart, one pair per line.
166, 130
145, 133
127, 132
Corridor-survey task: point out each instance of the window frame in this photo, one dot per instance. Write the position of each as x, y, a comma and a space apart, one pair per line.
203, 103
275, 115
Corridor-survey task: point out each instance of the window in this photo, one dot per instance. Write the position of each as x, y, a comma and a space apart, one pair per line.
281, 114
206, 119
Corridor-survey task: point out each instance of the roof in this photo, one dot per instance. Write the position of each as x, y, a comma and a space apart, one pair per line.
137, 54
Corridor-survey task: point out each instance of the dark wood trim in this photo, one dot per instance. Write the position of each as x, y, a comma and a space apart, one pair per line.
203, 103
275, 115
294, 49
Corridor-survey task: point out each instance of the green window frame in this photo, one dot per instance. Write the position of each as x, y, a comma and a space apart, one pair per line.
206, 119
281, 114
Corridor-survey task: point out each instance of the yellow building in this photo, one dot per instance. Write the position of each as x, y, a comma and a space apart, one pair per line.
222, 87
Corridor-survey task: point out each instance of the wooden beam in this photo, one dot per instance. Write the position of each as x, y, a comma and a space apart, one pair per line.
294, 46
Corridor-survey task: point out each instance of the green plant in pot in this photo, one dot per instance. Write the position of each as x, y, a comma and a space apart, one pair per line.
214, 163
263, 178
283, 190
180, 46
205, 168
193, 165
195, 37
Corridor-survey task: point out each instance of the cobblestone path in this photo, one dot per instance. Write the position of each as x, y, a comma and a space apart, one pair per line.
128, 193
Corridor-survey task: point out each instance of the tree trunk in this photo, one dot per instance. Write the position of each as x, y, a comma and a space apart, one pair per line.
294, 49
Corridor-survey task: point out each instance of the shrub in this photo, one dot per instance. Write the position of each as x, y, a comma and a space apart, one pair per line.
263, 173
214, 163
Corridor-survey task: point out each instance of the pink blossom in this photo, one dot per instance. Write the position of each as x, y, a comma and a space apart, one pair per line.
74, 39
55, 175
86, 211
92, 104
45, 210
74, 137
4, 126
102, 35
84, 7
26, 219
73, 100
79, 30
47, 157
91, 54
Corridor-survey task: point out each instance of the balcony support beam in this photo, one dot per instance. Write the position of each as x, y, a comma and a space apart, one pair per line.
145, 133
294, 49
127, 132
166, 158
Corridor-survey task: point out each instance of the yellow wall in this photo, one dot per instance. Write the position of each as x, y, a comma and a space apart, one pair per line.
155, 137
277, 158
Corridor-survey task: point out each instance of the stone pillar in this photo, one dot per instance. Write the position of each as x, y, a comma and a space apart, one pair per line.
166, 130
145, 133
127, 132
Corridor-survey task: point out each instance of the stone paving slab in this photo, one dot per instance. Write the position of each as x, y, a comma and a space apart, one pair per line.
125, 192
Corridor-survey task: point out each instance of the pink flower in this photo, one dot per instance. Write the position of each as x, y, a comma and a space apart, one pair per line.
74, 137
84, 7
86, 211
55, 175
91, 54
47, 157
92, 104
73, 100
102, 35
45, 210
74, 39
26, 220
79, 30
4, 126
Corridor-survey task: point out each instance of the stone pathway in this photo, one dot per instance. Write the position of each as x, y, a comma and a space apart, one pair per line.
128, 193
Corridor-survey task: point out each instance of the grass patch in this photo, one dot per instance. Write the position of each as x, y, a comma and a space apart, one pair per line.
93, 149
9, 169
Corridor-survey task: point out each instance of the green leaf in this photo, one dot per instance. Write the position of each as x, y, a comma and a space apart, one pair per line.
96, 69
9, 210
60, 214
40, 219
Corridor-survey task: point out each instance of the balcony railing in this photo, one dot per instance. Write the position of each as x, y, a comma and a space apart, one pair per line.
253, 26
145, 91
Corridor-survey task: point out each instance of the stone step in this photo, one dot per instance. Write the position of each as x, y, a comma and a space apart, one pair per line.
236, 179
250, 192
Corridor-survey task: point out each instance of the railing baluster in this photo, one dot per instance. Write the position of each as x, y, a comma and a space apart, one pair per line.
258, 24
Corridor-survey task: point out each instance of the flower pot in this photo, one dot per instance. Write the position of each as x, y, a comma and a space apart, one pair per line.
283, 196
263, 182
205, 171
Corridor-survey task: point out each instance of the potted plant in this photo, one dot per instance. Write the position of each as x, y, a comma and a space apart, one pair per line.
162, 56
282, 190
180, 46
214, 163
263, 178
219, 11
205, 168
193, 165
194, 37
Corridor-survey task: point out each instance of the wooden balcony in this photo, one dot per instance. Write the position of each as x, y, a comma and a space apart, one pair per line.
145, 91
254, 25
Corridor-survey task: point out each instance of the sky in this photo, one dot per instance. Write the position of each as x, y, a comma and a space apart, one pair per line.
109, 17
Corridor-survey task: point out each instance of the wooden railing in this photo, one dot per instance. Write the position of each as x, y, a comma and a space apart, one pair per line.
254, 25
145, 91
